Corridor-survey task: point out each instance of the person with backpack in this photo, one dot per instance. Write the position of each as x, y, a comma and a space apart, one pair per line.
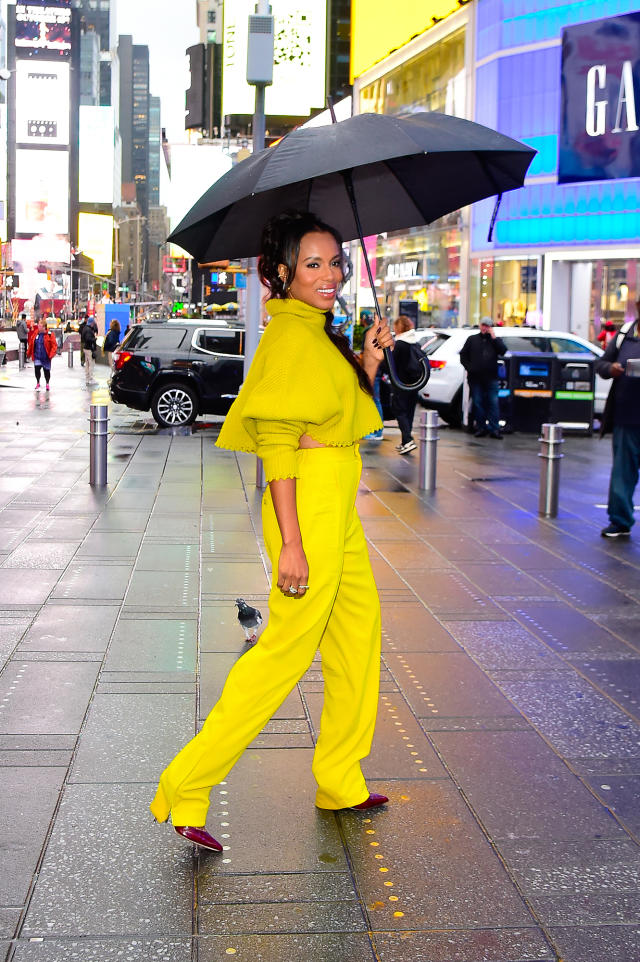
621, 363
407, 362
88, 342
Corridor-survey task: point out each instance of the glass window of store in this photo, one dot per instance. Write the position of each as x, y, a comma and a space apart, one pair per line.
422, 265
615, 287
505, 290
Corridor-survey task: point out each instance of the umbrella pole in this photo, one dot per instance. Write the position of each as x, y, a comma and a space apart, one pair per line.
424, 377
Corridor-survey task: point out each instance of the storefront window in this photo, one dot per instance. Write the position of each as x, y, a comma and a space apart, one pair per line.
420, 273
614, 290
433, 80
505, 290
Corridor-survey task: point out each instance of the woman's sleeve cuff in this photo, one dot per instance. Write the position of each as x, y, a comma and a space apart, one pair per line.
279, 464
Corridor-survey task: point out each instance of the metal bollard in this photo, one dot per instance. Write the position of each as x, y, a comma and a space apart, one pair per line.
550, 469
428, 440
98, 430
260, 481
70, 354
22, 356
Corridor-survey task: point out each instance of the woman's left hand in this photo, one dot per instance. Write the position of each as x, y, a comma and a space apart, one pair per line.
376, 339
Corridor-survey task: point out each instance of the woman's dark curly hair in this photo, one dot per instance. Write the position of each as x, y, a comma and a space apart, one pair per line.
281, 239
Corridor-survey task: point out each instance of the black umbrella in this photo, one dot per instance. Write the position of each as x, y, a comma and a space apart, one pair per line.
365, 175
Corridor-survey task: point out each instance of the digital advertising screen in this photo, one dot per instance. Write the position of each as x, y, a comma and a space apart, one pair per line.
95, 238
42, 102
600, 100
43, 29
42, 191
299, 58
96, 155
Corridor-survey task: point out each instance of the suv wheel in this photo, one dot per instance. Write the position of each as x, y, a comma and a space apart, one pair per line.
174, 405
452, 413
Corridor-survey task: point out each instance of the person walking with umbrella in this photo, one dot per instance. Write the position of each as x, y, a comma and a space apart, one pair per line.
304, 405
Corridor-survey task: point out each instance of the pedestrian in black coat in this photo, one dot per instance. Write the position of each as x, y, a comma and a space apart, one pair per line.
479, 357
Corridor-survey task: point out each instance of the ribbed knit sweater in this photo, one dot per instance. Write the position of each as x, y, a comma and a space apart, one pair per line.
298, 383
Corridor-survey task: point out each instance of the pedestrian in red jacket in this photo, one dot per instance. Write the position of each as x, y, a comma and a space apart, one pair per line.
41, 347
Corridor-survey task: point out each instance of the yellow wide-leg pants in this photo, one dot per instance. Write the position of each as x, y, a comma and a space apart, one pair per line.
339, 614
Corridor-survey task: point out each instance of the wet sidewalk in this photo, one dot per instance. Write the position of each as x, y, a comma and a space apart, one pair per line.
508, 736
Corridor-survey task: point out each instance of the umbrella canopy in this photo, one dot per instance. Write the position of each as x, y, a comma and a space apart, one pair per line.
406, 170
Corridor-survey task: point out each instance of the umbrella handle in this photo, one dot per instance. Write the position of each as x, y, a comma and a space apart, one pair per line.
393, 374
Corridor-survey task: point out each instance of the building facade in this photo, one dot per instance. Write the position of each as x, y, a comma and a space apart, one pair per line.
565, 249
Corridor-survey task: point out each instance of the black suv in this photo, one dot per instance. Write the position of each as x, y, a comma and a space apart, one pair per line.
178, 370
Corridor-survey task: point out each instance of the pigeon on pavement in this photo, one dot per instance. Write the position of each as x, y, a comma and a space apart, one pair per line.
250, 618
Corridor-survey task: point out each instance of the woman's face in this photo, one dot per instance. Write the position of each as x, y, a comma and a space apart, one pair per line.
319, 271
42, 327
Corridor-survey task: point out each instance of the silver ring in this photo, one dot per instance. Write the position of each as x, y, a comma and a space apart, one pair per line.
302, 586
292, 590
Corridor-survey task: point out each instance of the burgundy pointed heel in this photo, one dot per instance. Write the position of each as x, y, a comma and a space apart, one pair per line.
374, 801
199, 836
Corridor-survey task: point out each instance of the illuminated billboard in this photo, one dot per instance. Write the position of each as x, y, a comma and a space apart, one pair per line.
378, 27
42, 102
43, 29
42, 191
96, 155
299, 58
600, 106
95, 239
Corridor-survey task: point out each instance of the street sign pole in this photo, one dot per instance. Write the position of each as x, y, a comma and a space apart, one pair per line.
259, 75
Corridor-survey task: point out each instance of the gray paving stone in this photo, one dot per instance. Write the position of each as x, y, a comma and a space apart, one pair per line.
285, 917
93, 582
620, 793
105, 950
411, 627
583, 590
503, 644
214, 668
8, 921
241, 545
446, 684
445, 592
225, 522
387, 529
595, 881
410, 555
441, 872
153, 645
618, 678
131, 738
43, 555
10, 538
28, 797
120, 520
30, 589
63, 529
239, 579
162, 589
138, 878
492, 532
110, 544
40, 697
71, 628
566, 630
293, 887
502, 580
520, 789
171, 557
283, 948
467, 945
578, 721
615, 943
291, 835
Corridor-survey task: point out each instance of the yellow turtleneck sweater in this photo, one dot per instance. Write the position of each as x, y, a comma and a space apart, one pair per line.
298, 383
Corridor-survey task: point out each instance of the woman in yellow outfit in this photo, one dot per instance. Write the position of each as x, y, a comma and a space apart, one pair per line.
304, 405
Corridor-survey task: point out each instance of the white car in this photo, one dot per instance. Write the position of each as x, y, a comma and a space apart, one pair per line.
443, 391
